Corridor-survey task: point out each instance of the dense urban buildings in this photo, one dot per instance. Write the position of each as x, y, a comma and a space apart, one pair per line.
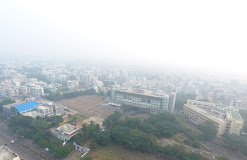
226, 118
29, 83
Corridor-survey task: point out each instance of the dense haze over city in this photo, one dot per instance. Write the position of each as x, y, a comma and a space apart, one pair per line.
209, 36
114, 80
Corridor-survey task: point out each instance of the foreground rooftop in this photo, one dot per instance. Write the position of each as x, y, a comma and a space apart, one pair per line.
6, 154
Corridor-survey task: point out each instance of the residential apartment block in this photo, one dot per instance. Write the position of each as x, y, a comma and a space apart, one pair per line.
156, 102
226, 119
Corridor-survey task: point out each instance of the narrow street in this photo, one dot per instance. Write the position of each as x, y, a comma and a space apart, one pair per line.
217, 150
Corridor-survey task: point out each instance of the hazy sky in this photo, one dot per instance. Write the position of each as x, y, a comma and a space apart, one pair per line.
209, 34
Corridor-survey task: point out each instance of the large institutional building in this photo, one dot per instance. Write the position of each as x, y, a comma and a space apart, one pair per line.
226, 119
34, 108
156, 102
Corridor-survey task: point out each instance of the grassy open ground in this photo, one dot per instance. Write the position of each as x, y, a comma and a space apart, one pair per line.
118, 152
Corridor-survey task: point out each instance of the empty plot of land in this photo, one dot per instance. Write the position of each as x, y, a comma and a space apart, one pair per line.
133, 114
92, 105
96, 120
118, 152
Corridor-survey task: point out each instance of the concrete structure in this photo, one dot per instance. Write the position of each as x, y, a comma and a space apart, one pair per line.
33, 108
236, 102
45, 111
7, 154
172, 100
65, 132
156, 102
37, 91
72, 84
226, 119
19, 107
80, 148
58, 108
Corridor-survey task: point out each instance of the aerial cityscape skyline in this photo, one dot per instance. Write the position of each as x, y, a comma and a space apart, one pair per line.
123, 80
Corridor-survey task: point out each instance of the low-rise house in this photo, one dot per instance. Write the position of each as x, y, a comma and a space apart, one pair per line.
65, 132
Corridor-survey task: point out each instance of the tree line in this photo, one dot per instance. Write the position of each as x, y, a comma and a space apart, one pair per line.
137, 135
59, 96
236, 142
37, 130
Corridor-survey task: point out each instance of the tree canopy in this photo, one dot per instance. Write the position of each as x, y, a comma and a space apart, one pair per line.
181, 99
208, 130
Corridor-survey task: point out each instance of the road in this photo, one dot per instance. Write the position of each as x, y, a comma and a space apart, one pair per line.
5, 138
217, 146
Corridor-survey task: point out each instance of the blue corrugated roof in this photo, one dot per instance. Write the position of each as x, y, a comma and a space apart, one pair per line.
26, 106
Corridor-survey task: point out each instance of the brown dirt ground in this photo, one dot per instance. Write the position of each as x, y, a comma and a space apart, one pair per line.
89, 106
129, 114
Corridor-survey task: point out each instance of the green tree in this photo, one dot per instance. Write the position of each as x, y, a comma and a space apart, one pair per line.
141, 141
235, 142
196, 144
40, 125
208, 130
119, 133
165, 128
93, 145
112, 119
149, 128
102, 138
181, 99
43, 143
2, 116
54, 120
87, 158
84, 128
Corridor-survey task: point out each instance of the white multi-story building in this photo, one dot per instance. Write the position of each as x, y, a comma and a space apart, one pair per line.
236, 102
37, 91
65, 132
72, 84
156, 102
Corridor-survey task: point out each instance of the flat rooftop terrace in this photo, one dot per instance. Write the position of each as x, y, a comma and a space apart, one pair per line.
143, 92
237, 116
6, 154
205, 113
66, 130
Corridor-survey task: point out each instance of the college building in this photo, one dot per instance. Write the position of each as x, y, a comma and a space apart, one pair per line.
156, 102
226, 119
